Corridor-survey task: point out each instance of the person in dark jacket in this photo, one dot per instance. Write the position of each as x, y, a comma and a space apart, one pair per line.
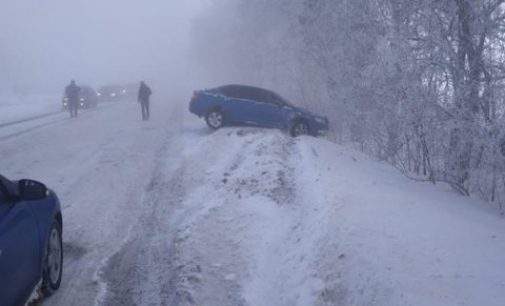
143, 98
72, 94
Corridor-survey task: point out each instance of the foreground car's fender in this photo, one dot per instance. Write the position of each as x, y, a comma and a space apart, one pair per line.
45, 212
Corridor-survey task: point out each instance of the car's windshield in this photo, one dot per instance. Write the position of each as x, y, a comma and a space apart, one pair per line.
282, 100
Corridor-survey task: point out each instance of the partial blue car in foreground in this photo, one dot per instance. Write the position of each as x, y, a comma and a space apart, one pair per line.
31, 250
240, 105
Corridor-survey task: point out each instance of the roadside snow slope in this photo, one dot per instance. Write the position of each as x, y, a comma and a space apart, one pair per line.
392, 241
276, 221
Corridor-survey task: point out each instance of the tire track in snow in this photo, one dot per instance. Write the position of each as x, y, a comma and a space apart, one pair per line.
223, 228
244, 249
139, 272
197, 280
37, 122
2, 125
258, 243
31, 129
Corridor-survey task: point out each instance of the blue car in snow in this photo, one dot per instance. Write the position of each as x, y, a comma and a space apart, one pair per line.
31, 250
240, 105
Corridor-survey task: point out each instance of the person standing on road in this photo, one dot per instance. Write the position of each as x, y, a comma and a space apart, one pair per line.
72, 94
143, 98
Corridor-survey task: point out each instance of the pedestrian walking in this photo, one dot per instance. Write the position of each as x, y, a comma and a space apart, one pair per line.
72, 94
143, 98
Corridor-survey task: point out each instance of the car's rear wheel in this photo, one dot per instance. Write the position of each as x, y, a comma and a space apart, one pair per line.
299, 128
53, 261
214, 119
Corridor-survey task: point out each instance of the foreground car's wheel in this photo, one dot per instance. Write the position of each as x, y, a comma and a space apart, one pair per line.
214, 119
53, 261
299, 128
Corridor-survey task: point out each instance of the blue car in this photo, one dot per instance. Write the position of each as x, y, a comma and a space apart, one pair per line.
31, 251
239, 105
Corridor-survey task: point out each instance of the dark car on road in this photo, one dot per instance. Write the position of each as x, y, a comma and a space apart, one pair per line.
31, 253
88, 98
113, 93
240, 105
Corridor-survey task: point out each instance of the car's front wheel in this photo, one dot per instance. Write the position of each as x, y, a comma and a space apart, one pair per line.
53, 261
299, 128
214, 119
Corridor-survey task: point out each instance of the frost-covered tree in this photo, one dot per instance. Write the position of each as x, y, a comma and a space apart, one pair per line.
419, 84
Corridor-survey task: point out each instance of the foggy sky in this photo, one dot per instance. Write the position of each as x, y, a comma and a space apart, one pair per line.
45, 43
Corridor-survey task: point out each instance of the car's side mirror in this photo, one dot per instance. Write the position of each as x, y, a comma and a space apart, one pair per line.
31, 190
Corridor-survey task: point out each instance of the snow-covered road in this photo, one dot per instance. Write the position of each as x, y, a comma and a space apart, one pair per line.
100, 165
167, 213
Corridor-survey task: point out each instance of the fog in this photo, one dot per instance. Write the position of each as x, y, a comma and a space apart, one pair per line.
381, 182
47, 43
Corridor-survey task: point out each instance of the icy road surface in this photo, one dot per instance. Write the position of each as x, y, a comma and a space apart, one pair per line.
167, 213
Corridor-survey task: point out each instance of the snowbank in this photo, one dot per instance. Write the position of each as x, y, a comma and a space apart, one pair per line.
277, 221
392, 241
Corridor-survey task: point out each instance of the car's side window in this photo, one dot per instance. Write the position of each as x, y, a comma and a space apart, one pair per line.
272, 98
251, 93
268, 97
230, 92
255, 94
277, 99
261, 96
238, 93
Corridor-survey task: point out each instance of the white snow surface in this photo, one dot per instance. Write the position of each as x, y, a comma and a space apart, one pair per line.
15, 107
167, 212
